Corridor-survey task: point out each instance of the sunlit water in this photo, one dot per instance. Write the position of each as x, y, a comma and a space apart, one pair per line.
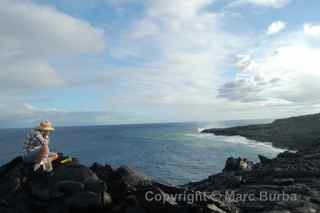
171, 153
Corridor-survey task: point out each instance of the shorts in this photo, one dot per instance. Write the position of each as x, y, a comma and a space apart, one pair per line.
33, 154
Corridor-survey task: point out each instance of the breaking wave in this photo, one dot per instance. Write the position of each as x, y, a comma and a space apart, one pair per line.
237, 140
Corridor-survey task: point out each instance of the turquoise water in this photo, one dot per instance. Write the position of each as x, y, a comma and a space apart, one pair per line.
171, 153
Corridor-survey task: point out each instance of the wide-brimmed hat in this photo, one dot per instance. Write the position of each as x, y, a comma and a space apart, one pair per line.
45, 126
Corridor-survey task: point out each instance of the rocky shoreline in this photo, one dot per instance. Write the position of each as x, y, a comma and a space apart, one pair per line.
289, 183
292, 133
75, 188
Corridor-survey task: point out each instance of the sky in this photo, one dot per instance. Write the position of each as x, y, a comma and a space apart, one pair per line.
79, 62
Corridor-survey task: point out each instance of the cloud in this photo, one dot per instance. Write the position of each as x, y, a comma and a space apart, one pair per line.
183, 48
263, 3
276, 27
33, 37
312, 31
30, 74
281, 73
27, 115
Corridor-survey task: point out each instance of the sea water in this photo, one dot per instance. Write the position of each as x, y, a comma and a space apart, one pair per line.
174, 153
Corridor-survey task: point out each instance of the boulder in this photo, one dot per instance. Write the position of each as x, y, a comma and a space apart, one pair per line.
232, 164
125, 179
84, 201
96, 186
264, 160
13, 164
9, 185
78, 173
226, 180
68, 187
131, 177
237, 164
40, 190
103, 172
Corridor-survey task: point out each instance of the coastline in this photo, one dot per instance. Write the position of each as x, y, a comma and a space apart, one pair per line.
293, 133
288, 182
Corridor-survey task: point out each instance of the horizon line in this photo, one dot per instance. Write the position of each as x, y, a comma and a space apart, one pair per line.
131, 124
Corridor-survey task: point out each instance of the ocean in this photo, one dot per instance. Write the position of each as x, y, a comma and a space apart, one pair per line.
172, 153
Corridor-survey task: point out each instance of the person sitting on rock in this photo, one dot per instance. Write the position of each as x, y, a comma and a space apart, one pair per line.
36, 145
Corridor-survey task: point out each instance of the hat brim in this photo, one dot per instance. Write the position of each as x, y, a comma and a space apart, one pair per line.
46, 129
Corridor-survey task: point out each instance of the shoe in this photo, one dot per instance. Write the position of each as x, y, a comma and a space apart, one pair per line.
36, 166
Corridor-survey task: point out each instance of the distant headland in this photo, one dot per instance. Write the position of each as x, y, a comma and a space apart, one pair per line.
293, 133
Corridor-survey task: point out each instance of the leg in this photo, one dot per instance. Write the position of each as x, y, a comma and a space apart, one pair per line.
43, 153
53, 156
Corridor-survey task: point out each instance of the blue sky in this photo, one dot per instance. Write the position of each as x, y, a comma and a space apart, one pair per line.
141, 61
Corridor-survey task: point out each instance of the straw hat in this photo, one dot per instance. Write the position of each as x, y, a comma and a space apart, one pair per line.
45, 126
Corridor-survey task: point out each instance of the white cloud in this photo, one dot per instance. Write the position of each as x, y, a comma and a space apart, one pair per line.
312, 31
184, 48
34, 36
276, 27
28, 75
283, 73
264, 3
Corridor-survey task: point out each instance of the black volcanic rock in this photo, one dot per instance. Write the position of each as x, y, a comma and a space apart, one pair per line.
73, 187
295, 133
237, 164
288, 183
264, 160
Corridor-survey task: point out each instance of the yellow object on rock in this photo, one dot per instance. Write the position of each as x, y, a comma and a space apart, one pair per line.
67, 160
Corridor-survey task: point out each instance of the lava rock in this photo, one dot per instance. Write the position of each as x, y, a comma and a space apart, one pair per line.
84, 201
131, 177
78, 173
9, 185
264, 160
237, 164
295, 133
125, 179
67, 187
103, 172
96, 186
15, 163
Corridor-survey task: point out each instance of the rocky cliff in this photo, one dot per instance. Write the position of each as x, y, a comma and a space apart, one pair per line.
293, 133
288, 183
